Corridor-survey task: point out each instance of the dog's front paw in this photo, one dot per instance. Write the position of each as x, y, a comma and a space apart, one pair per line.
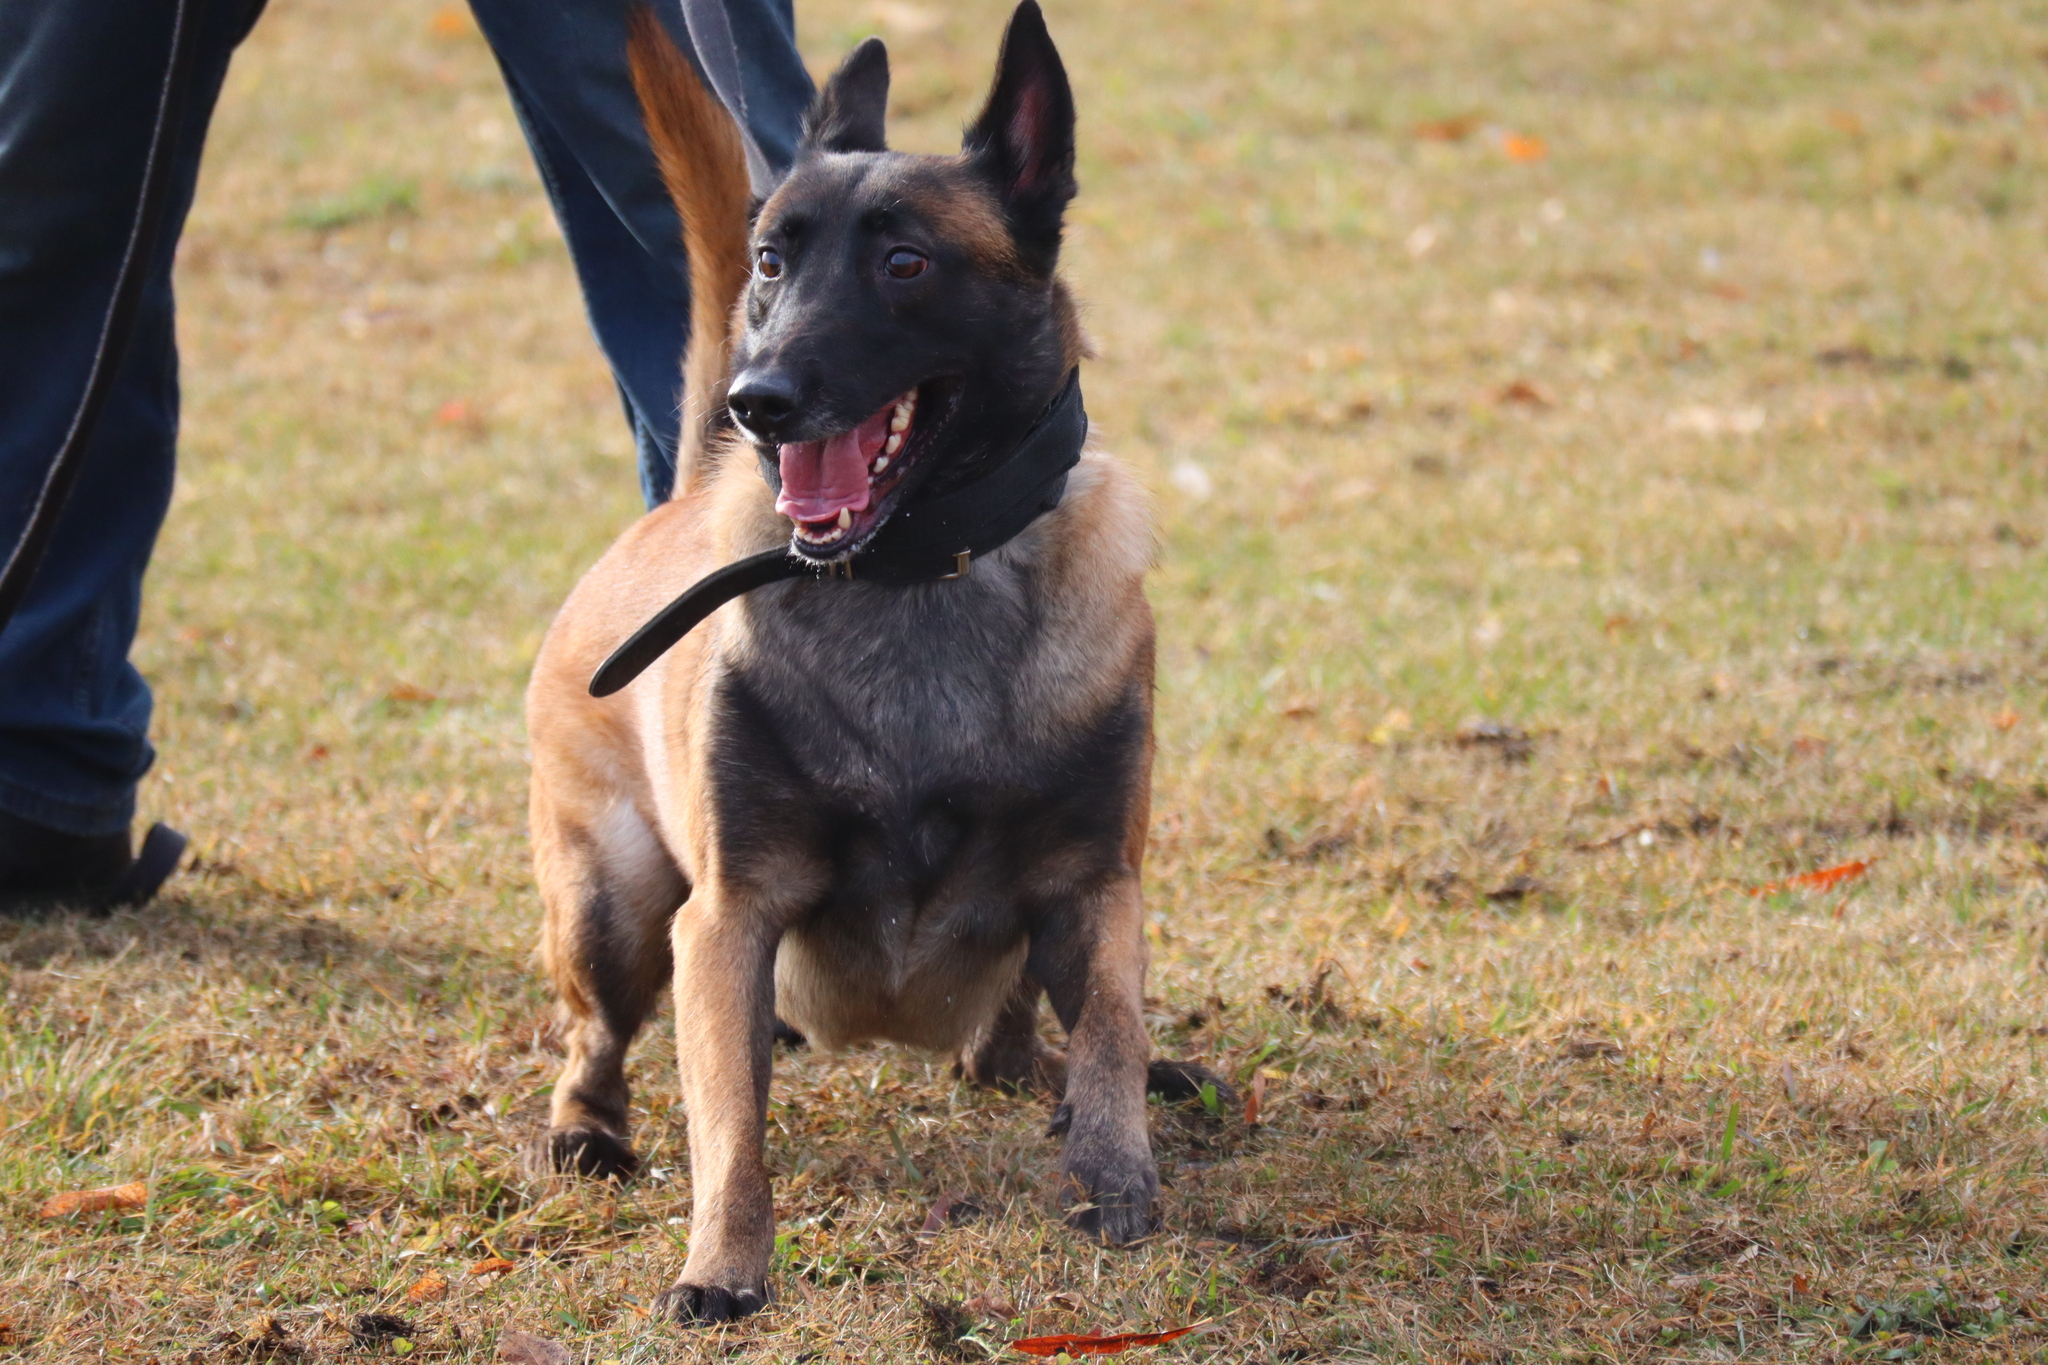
699, 1304
580, 1151
1110, 1200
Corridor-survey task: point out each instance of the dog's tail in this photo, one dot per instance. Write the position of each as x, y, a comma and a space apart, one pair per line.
704, 164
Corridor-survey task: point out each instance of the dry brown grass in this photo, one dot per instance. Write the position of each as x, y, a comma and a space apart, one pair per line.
1701, 457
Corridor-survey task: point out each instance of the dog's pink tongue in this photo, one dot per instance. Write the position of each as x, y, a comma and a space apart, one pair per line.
821, 477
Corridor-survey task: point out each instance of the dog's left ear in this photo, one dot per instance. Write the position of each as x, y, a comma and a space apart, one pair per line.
849, 112
1024, 139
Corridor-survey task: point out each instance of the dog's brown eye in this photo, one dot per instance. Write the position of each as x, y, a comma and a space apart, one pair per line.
769, 262
905, 264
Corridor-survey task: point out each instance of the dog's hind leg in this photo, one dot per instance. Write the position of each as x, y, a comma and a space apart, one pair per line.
1008, 1053
1091, 956
610, 888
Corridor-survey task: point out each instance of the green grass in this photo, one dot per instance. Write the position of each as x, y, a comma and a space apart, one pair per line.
1702, 457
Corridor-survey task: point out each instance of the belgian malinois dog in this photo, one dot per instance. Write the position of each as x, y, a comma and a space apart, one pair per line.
861, 805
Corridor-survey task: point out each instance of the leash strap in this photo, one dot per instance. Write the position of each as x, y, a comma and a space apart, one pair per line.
925, 541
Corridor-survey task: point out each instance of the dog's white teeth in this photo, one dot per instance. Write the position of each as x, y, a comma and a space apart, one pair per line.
845, 517
893, 444
881, 463
900, 419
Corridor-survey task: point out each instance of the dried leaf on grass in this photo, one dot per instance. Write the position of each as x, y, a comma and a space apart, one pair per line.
429, 1288
496, 1265
523, 1348
1095, 1344
262, 1338
129, 1196
1524, 147
994, 1304
1255, 1100
1447, 129
1821, 880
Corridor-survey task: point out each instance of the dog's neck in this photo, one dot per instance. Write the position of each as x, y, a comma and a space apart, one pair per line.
928, 539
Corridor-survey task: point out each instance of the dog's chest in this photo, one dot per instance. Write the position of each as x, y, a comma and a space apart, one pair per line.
879, 694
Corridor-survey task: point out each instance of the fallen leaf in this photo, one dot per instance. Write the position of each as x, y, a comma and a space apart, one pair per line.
429, 1287
130, 1196
935, 1221
1817, 881
1523, 392
522, 1348
407, 693
316, 753
1524, 147
449, 21
1093, 1344
1800, 1284
496, 1265
993, 1305
1254, 1100
2006, 719
1447, 129
1586, 1049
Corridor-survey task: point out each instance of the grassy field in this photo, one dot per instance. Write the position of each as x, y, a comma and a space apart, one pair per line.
1600, 457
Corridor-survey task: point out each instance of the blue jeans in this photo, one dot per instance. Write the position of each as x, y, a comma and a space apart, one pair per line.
78, 93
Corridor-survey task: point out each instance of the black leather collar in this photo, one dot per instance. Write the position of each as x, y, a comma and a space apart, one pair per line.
927, 539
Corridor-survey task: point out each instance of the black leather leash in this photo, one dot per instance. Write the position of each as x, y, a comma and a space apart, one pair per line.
925, 541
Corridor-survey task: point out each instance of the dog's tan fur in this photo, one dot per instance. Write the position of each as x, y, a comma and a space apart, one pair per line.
650, 867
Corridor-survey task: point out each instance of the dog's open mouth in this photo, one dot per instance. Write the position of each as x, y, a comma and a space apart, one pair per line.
841, 489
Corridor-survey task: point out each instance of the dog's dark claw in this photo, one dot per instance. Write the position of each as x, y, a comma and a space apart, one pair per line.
1062, 1119
700, 1304
788, 1036
580, 1151
1182, 1082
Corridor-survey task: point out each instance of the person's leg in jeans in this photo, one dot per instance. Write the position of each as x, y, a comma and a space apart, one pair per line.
565, 65
78, 96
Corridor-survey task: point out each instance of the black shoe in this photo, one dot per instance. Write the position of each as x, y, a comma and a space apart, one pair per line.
41, 868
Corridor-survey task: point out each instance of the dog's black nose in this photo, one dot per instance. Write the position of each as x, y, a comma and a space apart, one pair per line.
764, 401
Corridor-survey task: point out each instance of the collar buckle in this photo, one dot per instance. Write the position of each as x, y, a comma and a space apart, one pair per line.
962, 561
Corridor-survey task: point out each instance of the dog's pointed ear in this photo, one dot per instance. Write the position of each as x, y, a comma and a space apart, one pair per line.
849, 112
1024, 139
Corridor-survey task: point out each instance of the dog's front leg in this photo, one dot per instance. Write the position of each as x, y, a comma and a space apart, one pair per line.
1091, 957
725, 1016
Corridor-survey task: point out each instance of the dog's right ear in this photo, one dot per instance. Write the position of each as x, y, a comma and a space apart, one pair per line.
848, 114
